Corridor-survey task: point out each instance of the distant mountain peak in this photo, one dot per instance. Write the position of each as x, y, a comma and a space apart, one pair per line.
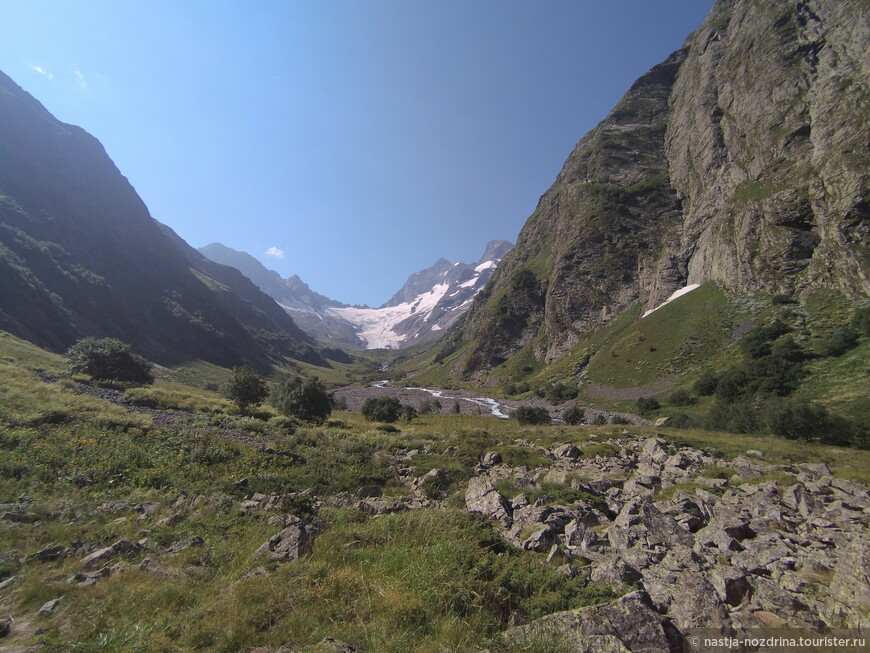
428, 302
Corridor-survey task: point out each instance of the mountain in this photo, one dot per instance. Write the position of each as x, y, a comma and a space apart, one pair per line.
741, 160
80, 255
307, 308
429, 302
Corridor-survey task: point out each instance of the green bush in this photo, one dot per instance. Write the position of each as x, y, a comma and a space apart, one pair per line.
574, 415
559, 393
306, 399
382, 409
706, 384
245, 388
531, 415
108, 359
647, 405
680, 397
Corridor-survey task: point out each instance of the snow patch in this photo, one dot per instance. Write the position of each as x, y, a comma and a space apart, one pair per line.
377, 324
675, 295
485, 266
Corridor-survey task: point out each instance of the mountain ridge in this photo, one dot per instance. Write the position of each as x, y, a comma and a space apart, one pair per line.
80, 255
429, 301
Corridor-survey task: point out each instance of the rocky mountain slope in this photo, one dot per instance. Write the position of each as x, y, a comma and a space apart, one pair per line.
80, 255
429, 302
741, 159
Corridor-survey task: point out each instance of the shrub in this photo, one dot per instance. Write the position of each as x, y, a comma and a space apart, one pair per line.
456, 409
559, 393
108, 359
245, 388
306, 399
600, 419
382, 409
797, 420
408, 412
532, 415
706, 384
430, 406
574, 415
731, 384
680, 397
647, 405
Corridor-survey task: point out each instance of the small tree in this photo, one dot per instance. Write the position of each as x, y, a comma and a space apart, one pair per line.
647, 405
245, 388
108, 359
382, 409
574, 415
532, 415
306, 399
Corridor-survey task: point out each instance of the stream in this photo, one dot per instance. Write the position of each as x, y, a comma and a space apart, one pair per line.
495, 408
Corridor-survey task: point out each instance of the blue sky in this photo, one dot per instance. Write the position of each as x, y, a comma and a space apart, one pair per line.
364, 139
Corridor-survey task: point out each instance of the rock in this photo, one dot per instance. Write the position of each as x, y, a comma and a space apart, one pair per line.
850, 587
662, 421
696, 604
49, 606
49, 553
288, 545
731, 584
368, 492
482, 497
21, 517
614, 571
541, 540
5, 626
97, 557
490, 459
566, 450
768, 597
186, 543
173, 520
640, 523
436, 479
7, 582
626, 624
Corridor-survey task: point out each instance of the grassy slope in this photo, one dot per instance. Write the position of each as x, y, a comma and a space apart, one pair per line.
418, 581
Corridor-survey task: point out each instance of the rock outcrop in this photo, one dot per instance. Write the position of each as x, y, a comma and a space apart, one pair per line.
773, 546
741, 159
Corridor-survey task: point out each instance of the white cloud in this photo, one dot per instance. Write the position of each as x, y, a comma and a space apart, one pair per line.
275, 252
80, 79
42, 71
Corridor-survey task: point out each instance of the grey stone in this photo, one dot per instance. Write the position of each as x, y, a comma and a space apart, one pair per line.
731, 584
97, 557
49, 553
49, 606
491, 458
567, 450
482, 497
288, 545
626, 624
186, 543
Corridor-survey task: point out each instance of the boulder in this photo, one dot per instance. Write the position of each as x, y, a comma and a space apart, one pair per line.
481, 497
566, 450
288, 545
49, 606
628, 623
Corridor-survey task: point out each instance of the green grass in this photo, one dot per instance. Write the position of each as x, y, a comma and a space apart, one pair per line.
669, 341
426, 580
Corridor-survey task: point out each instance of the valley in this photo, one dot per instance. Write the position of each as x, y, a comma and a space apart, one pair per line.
647, 419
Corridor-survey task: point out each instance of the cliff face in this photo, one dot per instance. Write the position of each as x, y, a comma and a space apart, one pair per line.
741, 159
